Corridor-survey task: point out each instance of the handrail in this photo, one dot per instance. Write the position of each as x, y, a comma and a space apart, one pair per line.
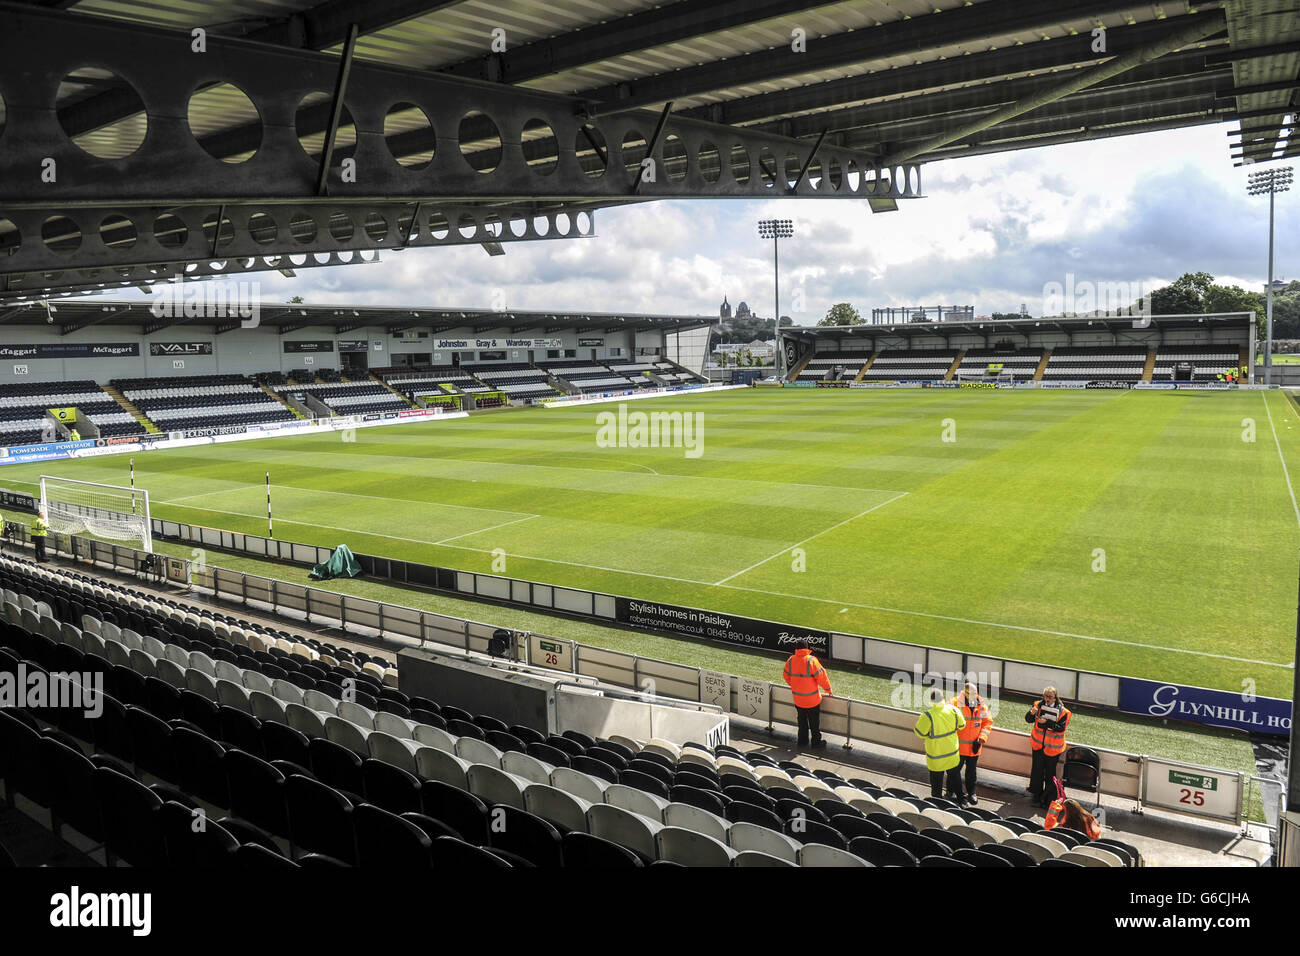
624, 693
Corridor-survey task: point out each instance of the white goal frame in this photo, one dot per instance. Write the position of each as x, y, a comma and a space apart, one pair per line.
970, 375
99, 519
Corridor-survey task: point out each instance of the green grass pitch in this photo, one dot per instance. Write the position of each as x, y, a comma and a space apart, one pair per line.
1138, 533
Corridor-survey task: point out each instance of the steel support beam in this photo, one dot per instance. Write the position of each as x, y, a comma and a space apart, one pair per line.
1196, 28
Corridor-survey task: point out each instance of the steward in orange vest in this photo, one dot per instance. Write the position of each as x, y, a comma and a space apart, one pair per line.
808, 681
1050, 717
971, 737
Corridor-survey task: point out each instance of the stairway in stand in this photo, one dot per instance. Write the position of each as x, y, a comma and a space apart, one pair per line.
135, 413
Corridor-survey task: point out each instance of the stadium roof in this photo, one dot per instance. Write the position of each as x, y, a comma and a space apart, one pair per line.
990, 327
68, 316
491, 121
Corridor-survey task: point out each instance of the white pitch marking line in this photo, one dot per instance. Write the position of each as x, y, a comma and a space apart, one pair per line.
349, 494
855, 517
490, 528
1011, 627
1280, 458
524, 464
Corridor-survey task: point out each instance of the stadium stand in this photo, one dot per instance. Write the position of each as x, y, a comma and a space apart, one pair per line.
673, 374
1207, 361
252, 725
824, 362
1117, 364
588, 376
202, 401
634, 372
522, 382
348, 398
428, 378
23, 410
1019, 363
910, 365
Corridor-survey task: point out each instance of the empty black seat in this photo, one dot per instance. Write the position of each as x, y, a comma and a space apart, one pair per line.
458, 856
527, 835
809, 831
190, 846
200, 770
320, 819
390, 787
850, 827
130, 815
256, 791
386, 840
740, 812
584, 851
881, 852
458, 808
336, 765
919, 844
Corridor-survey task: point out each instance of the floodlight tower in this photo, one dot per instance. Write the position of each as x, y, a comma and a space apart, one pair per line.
1271, 181
776, 230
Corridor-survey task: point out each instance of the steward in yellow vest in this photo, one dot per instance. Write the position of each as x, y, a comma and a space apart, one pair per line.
938, 726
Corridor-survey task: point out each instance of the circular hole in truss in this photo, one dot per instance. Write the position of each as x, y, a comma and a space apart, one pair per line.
767, 169
869, 178
493, 226
310, 121
710, 162
541, 148
541, 226
634, 151
118, 232
480, 141
408, 134
914, 181
835, 174
223, 107
591, 150
676, 160
297, 259
302, 227
322, 258
439, 227
815, 177
11, 237
217, 265
791, 168
61, 234
376, 227
262, 228
563, 224
170, 231
584, 223
467, 226
853, 176
115, 140
210, 228
519, 227
342, 228
739, 163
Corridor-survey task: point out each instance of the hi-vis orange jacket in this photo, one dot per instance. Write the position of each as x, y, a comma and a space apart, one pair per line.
1050, 739
807, 678
1056, 817
978, 723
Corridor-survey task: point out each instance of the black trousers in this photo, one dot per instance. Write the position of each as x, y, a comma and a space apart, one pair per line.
1041, 772
953, 776
969, 766
810, 722
39, 541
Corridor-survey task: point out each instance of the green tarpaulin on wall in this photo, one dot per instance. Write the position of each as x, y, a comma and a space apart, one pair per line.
340, 565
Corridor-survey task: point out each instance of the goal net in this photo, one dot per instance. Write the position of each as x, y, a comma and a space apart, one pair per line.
113, 512
989, 375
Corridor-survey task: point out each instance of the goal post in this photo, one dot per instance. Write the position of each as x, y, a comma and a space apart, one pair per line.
115, 512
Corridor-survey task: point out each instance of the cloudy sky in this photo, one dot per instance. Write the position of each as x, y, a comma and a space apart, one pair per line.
993, 232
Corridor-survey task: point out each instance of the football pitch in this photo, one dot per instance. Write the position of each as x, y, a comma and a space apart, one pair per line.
1153, 534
